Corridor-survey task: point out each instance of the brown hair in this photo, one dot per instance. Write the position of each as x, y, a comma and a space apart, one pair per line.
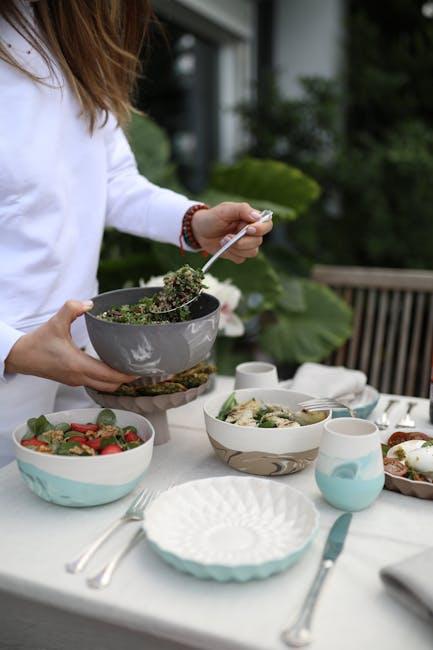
95, 42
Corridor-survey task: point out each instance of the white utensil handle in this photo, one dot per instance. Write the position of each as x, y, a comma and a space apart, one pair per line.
266, 216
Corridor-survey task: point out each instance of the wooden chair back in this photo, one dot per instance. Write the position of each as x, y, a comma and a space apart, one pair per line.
392, 340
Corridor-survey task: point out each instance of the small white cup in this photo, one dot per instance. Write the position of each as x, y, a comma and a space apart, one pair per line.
256, 374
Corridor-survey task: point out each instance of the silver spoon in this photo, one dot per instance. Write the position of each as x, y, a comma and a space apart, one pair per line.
265, 216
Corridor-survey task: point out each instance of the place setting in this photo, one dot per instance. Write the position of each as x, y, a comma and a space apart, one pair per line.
326, 423
233, 528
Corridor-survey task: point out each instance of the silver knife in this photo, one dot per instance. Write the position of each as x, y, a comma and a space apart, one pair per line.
300, 633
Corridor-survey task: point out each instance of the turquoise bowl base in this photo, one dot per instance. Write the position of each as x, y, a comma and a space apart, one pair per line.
220, 573
362, 412
74, 494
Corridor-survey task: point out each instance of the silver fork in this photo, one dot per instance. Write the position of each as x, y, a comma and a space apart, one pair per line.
133, 513
382, 421
103, 578
323, 403
407, 421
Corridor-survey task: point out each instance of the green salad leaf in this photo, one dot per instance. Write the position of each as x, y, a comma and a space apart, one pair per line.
228, 405
39, 425
106, 417
267, 424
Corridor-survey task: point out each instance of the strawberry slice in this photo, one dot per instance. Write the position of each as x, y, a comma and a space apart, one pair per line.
94, 444
131, 436
32, 442
83, 428
111, 449
79, 439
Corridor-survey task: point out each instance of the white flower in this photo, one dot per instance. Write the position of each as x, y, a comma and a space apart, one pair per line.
228, 295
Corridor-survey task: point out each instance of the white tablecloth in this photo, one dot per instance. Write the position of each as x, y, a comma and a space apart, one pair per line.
149, 597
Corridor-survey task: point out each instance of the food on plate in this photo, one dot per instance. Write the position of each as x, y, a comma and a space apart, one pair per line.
98, 438
255, 413
183, 381
395, 467
397, 437
400, 451
179, 287
421, 460
409, 455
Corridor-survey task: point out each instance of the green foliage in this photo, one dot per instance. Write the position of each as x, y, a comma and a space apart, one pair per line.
152, 151
311, 332
269, 294
267, 180
368, 141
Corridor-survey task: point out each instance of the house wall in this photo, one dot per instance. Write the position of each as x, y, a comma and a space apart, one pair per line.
308, 40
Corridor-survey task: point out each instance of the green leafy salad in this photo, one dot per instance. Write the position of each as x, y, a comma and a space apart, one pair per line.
98, 438
255, 413
179, 287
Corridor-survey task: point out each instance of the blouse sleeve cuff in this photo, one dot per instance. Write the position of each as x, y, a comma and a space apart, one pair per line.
8, 337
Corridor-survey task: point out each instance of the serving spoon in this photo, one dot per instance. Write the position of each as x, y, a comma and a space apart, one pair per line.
265, 216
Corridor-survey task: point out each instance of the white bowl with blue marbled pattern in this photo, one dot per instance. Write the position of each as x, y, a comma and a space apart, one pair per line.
85, 481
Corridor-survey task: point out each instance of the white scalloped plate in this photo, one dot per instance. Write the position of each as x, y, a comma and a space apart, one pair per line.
231, 528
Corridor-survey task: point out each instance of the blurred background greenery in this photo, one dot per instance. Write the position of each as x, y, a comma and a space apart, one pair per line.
346, 164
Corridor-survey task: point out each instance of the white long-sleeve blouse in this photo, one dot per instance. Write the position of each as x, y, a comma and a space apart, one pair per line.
59, 187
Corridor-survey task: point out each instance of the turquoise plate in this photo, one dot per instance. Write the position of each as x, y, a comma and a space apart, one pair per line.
363, 406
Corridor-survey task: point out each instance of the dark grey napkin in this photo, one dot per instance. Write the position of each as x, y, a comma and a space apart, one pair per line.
411, 583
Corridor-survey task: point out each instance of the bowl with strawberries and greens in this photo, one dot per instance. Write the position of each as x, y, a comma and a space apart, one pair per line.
84, 457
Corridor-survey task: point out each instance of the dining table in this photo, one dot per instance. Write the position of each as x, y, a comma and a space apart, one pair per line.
150, 605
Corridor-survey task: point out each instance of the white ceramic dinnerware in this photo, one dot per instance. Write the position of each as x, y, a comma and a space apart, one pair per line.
256, 374
266, 452
349, 468
231, 528
86, 481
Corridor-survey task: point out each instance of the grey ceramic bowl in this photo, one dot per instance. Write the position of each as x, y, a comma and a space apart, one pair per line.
152, 351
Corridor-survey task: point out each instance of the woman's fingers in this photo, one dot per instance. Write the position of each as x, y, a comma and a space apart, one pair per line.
71, 310
99, 371
256, 229
231, 212
101, 386
237, 259
247, 243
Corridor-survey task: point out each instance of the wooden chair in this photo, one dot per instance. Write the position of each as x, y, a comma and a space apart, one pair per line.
392, 336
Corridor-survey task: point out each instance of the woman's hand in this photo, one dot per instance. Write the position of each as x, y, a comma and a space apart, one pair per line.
211, 228
50, 352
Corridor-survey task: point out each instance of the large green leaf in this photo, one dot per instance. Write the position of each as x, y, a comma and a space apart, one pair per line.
266, 180
152, 151
312, 334
213, 197
292, 298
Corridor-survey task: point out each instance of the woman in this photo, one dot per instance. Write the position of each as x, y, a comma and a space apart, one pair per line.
67, 70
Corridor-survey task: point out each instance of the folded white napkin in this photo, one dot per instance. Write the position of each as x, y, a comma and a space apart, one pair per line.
410, 583
329, 381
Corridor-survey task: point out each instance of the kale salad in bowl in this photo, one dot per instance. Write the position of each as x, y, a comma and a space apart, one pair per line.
131, 330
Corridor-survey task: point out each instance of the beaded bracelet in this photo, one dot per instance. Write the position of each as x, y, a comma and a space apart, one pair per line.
186, 234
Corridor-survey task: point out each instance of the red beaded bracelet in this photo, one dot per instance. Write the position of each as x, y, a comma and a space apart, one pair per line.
186, 234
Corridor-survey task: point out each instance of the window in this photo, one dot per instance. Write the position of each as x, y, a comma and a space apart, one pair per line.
195, 79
